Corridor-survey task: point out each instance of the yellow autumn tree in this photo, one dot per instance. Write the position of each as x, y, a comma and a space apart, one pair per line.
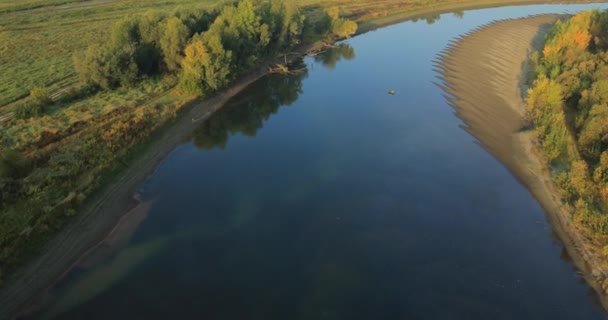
580, 179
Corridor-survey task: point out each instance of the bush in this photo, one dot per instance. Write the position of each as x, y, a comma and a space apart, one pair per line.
28, 110
74, 94
40, 96
339, 27
173, 41
13, 165
344, 28
34, 107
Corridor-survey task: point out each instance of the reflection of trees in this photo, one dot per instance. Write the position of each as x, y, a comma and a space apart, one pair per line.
432, 18
330, 58
247, 112
458, 14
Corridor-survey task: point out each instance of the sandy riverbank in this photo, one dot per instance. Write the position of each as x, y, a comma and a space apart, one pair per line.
485, 72
93, 224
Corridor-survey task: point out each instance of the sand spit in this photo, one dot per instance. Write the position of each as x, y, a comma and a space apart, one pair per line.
484, 74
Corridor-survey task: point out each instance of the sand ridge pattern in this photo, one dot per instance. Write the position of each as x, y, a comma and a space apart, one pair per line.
484, 74
482, 71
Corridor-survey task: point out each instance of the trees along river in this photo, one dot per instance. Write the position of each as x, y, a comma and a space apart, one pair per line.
568, 105
318, 195
46, 175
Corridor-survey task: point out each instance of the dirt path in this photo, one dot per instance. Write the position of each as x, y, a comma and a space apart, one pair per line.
484, 72
84, 4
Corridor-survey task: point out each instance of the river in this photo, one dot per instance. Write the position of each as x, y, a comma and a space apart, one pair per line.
321, 196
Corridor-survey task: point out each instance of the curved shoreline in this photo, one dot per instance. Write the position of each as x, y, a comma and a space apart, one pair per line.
96, 221
485, 73
103, 213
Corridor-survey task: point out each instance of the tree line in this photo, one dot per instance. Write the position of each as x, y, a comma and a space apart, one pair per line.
568, 107
47, 175
206, 50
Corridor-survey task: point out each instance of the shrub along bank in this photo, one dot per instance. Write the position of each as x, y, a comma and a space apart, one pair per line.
55, 155
568, 106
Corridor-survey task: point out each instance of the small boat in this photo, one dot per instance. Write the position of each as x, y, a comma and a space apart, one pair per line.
392, 92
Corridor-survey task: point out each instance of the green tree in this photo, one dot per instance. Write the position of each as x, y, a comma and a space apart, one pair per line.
344, 28
40, 96
206, 65
594, 134
13, 164
238, 28
291, 29
339, 27
217, 71
173, 41
125, 33
191, 77
333, 13
150, 26
89, 66
285, 25
113, 64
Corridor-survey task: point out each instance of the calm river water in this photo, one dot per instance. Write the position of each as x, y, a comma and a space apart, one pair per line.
320, 196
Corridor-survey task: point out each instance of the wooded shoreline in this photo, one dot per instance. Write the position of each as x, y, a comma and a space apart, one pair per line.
98, 218
105, 209
487, 84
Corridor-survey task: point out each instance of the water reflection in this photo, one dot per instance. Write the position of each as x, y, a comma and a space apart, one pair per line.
332, 56
458, 14
432, 18
247, 112
354, 205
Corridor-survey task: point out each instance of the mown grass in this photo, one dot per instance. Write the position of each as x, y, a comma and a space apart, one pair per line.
36, 45
14, 6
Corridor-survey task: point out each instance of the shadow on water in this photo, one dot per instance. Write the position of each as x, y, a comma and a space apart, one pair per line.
247, 112
432, 18
458, 14
332, 56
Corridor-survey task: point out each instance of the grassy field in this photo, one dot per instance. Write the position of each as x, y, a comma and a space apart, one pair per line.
36, 45
38, 38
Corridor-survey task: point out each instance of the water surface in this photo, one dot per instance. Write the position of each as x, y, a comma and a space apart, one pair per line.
320, 196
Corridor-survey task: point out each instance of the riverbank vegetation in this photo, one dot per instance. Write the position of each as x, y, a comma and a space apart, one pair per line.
58, 28
84, 84
56, 152
568, 107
